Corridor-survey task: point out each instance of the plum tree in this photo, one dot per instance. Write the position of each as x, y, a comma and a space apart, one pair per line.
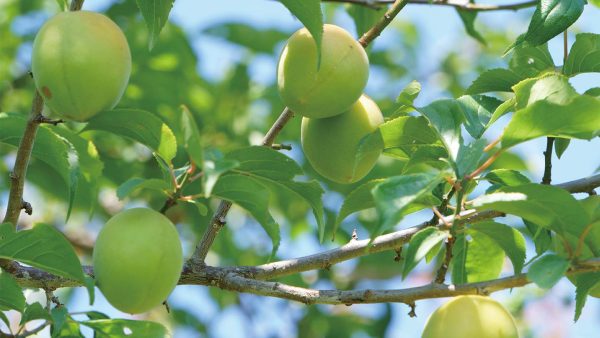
331, 144
81, 64
471, 317
137, 259
335, 85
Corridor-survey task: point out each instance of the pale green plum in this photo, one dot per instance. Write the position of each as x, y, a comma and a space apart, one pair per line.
81, 64
331, 89
137, 259
331, 144
471, 317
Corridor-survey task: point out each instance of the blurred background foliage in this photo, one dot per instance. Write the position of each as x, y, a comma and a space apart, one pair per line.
234, 109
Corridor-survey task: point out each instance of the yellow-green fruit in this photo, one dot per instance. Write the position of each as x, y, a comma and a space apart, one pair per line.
335, 85
471, 317
81, 64
137, 259
331, 144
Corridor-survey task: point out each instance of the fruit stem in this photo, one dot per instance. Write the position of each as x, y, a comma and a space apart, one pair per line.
387, 18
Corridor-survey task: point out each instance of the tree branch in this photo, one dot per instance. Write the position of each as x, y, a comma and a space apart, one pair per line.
17, 177
582, 185
547, 178
229, 279
387, 18
465, 6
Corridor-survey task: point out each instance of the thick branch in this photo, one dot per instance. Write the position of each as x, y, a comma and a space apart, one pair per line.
17, 177
228, 279
582, 185
465, 6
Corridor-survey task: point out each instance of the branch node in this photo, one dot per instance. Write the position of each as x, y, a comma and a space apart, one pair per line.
27, 207
413, 312
398, 256
42, 119
354, 235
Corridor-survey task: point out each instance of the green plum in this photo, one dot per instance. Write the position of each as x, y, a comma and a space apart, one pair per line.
471, 317
81, 64
331, 144
335, 85
137, 259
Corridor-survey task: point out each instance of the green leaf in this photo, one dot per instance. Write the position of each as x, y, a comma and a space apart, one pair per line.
494, 80
409, 94
595, 92
468, 19
213, 168
34, 311
246, 36
506, 177
138, 125
531, 61
42, 247
503, 109
561, 145
446, 118
126, 328
507, 238
251, 195
49, 147
542, 237
407, 133
551, 87
477, 110
156, 14
428, 156
547, 206
4, 318
584, 283
584, 56
469, 157
11, 296
395, 194
89, 167
370, 146
551, 18
360, 198
364, 17
580, 118
59, 319
135, 183
309, 13
191, 136
277, 171
547, 270
420, 245
63, 5
476, 258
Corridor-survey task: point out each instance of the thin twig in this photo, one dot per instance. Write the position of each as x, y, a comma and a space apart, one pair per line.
76, 5
547, 178
470, 7
387, 18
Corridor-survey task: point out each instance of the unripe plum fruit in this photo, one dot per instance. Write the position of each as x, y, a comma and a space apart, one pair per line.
137, 259
335, 85
471, 317
331, 144
81, 64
